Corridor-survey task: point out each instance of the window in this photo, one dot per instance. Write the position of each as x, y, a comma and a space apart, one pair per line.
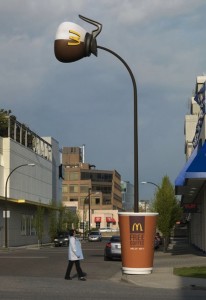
84, 188
106, 201
73, 199
64, 188
97, 201
107, 177
66, 176
27, 225
73, 188
73, 175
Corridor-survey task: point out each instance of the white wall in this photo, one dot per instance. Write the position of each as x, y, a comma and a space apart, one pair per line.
29, 183
56, 161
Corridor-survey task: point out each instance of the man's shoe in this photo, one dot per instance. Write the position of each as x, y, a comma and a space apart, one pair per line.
68, 278
82, 278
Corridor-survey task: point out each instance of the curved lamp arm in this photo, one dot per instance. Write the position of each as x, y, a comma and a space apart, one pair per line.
145, 182
136, 179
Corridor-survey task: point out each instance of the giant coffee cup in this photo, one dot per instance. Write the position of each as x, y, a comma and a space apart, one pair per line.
137, 232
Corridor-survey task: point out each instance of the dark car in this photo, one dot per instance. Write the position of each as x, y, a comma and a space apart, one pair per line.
62, 239
94, 236
113, 248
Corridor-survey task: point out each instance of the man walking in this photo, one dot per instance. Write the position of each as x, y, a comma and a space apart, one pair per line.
74, 256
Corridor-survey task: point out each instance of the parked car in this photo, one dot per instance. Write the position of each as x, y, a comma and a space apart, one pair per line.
62, 239
106, 229
94, 236
113, 248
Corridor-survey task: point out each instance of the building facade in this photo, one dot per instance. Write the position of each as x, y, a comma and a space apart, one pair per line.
23, 188
191, 181
127, 195
88, 190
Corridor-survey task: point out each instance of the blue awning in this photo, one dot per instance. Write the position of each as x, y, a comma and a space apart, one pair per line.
197, 168
181, 177
192, 175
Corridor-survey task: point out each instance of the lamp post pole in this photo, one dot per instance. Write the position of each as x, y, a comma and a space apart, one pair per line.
89, 208
6, 204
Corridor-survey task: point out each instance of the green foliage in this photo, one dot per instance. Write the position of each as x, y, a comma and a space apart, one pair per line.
67, 219
4, 116
196, 272
53, 223
168, 207
39, 222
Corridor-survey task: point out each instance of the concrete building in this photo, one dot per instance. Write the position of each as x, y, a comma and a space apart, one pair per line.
191, 181
27, 187
127, 196
91, 192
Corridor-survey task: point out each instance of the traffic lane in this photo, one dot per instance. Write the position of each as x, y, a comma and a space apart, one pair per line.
94, 264
52, 262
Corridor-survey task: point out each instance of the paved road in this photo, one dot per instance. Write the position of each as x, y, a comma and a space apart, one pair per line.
39, 274
52, 262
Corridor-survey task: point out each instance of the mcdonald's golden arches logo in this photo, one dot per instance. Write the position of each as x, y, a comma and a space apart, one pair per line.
137, 227
75, 39
137, 224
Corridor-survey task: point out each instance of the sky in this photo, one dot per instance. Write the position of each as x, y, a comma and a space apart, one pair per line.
91, 101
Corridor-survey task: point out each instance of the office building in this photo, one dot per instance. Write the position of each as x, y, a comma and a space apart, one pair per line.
90, 191
127, 196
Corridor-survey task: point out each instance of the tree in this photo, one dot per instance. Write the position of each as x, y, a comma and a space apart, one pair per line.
53, 223
168, 207
67, 219
39, 223
4, 116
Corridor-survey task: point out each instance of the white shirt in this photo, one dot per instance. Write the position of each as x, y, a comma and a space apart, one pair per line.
75, 249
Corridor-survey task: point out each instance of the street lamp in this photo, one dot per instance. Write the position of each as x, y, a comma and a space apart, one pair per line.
89, 206
149, 182
6, 211
89, 202
72, 43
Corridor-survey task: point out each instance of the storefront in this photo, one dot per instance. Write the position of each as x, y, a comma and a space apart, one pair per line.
191, 181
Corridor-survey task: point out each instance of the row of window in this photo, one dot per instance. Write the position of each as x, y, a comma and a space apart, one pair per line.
105, 177
83, 201
75, 188
97, 176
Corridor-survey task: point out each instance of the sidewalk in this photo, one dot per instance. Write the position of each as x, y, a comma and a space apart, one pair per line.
179, 254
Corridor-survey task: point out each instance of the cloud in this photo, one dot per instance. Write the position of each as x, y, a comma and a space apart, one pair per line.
91, 101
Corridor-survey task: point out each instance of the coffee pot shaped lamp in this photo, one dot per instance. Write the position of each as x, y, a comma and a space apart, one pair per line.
72, 43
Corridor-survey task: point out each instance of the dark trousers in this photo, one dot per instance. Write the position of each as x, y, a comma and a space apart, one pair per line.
78, 268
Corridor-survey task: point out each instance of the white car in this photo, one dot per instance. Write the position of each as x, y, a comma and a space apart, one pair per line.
94, 236
105, 229
113, 248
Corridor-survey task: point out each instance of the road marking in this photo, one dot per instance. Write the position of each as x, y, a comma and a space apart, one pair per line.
29, 257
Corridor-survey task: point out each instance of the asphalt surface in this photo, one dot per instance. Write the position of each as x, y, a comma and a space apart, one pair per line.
180, 254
